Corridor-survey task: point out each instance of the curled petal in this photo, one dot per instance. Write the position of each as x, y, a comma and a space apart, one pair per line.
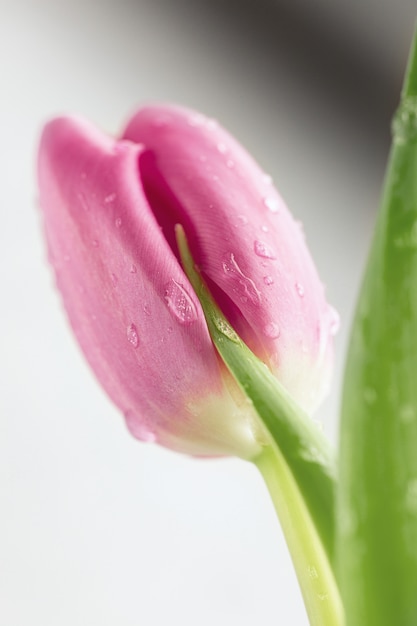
130, 304
249, 248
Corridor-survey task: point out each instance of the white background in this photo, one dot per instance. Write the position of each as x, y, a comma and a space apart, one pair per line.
97, 529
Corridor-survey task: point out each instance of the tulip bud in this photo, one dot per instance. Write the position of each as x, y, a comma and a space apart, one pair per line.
110, 208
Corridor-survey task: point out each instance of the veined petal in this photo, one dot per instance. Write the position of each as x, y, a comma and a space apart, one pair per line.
249, 248
130, 304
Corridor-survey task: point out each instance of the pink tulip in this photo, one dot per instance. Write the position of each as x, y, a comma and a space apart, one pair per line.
110, 207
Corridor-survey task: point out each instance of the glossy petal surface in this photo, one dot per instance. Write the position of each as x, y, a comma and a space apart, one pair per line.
246, 243
129, 302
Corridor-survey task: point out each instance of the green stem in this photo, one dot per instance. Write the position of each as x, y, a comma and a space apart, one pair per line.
314, 573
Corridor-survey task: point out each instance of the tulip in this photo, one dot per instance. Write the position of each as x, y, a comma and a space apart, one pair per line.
110, 208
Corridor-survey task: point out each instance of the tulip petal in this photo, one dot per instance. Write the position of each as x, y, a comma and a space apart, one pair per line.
130, 304
248, 247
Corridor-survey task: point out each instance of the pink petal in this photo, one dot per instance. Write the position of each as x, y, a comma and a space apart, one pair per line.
130, 304
244, 239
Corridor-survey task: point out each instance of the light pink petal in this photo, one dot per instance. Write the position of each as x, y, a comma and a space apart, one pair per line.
132, 309
244, 239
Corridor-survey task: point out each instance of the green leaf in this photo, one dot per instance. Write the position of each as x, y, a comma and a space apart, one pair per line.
377, 503
301, 444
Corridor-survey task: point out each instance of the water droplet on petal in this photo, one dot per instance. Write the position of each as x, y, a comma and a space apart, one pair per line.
221, 147
132, 335
268, 280
114, 279
242, 219
230, 164
110, 198
271, 204
263, 250
94, 243
133, 269
264, 229
300, 289
233, 272
272, 330
138, 428
118, 222
334, 321
180, 303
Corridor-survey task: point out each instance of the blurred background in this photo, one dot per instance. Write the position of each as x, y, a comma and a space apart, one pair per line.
97, 529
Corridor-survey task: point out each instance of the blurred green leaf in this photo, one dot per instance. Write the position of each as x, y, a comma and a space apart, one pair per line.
377, 503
